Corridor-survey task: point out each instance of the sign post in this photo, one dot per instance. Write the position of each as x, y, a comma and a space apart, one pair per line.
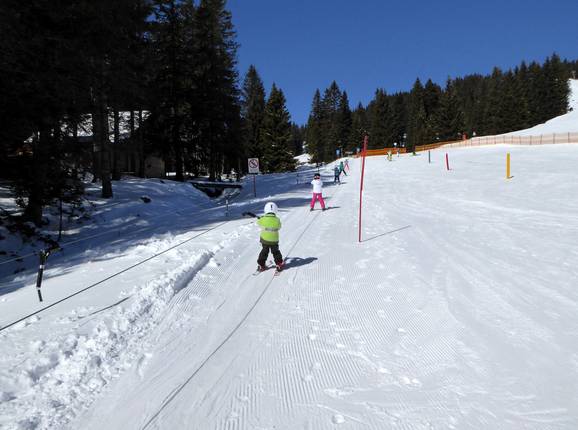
254, 170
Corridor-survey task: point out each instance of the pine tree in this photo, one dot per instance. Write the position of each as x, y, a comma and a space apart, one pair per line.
359, 129
379, 115
449, 116
315, 143
215, 100
344, 122
330, 105
276, 134
41, 76
252, 111
398, 124
297, 138
416, 117
431, 100
556, 87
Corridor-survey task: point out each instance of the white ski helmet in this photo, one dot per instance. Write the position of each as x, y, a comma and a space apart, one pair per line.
270, 208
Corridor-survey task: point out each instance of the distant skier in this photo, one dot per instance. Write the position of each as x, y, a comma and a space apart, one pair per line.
317, 191
270, 225
342, 168
336, 173
346, 164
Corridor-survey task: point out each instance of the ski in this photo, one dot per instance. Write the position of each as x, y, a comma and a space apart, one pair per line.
268, 265
261, 271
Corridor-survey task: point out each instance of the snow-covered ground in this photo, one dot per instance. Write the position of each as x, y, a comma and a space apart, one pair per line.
457, 310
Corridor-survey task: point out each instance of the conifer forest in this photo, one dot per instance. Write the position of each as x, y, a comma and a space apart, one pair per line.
94, 91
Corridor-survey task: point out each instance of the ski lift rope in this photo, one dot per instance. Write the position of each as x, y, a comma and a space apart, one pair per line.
112, 276
177, 390
84, 239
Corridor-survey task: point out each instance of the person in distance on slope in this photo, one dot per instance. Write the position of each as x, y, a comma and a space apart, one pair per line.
270, 225
341, 168
336, 173
317, 191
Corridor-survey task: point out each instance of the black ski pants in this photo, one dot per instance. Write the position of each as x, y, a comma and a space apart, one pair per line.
265, 253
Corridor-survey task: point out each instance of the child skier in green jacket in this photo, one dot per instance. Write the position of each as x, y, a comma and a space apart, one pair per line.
270, 225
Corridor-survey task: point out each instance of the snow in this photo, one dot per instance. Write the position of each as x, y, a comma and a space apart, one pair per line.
456, 311
303, 159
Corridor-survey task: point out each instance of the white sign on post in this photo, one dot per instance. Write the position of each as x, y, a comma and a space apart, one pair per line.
253, 165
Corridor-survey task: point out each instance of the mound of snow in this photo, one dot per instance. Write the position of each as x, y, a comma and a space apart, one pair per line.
303, 159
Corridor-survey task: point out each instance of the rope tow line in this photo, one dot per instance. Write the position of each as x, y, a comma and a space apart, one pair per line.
177, 391
113, 276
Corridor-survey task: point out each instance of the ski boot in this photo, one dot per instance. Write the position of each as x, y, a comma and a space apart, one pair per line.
261, 268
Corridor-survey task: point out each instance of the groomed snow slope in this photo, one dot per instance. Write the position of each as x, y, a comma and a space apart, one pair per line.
458, 310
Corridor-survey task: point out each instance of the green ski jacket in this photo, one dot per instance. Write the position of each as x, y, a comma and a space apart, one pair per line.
270, 226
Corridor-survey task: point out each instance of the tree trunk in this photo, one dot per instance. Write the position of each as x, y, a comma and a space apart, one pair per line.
140, 143
116, 147
178, 147
100, 133
33, 210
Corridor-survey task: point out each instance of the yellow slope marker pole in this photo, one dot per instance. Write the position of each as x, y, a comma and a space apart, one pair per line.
508, 166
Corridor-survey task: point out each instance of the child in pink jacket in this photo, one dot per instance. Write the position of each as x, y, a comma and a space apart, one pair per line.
317, 191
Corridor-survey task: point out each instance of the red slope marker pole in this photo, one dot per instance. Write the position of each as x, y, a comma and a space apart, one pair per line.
447, 162
361, 186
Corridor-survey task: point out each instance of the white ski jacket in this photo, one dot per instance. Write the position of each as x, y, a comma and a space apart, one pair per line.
317, 186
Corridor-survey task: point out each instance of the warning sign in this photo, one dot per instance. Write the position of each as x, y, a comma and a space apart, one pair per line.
253, 165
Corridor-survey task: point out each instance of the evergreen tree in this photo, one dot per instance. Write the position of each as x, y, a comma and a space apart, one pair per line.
358, 130
330, 105
492, 120
398, 121
252, 111
315, 142
214, 100
170, 66
556, 87
416, 117
41, 76
431, 100
449, 116
344, 122
297, 138
276, 135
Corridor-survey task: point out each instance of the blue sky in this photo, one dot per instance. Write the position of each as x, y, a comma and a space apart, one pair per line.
368, 44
